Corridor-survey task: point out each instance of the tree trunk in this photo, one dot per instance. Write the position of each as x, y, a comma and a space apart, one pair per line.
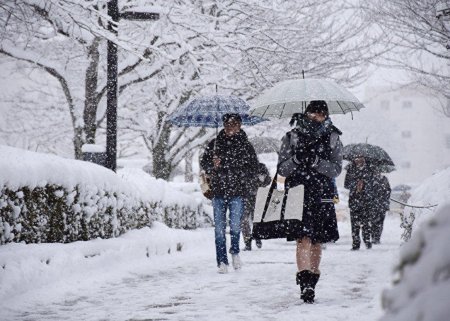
91, 101
78, 142
162, 167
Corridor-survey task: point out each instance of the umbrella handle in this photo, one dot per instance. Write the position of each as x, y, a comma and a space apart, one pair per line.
215, 141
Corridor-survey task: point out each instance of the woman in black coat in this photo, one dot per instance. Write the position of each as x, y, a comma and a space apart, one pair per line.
311, 155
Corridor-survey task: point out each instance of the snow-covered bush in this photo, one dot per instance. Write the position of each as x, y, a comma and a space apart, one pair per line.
433, 190
53, 213
421, 286
45, 198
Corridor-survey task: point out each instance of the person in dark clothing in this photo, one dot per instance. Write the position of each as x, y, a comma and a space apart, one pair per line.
381, 201
368, 201
357, 181
311, 155
227, 161
258, 179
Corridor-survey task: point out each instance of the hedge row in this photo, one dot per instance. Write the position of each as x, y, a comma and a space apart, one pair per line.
52, 213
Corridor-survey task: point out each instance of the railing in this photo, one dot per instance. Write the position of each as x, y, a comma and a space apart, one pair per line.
408, 221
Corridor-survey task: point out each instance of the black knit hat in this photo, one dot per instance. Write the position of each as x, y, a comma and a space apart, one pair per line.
229, 117
317, 106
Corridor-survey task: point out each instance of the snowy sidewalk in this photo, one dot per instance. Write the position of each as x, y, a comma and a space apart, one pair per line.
185, 285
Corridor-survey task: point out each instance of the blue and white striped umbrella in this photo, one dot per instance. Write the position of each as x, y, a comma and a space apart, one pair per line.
207, 111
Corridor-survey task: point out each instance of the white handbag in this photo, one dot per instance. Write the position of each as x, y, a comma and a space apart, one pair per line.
280, 215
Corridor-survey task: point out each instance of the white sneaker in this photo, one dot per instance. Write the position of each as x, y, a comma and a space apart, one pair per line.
223, 268
236, 260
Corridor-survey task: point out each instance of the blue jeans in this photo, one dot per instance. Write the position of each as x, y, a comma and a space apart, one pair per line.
220, 205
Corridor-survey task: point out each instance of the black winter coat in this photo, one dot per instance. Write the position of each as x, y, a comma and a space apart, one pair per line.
319, 217
375, 193
318, 187
260, 178
238, 162
382, 190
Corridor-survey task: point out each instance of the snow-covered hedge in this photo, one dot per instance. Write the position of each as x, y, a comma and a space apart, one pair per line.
433, 190
45, 198
421, 285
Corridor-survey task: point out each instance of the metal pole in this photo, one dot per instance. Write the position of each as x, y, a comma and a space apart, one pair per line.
111, 96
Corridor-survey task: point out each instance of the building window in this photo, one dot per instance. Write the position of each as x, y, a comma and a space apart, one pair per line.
447, 141
406, 134
405, 164
384, 104
407, 104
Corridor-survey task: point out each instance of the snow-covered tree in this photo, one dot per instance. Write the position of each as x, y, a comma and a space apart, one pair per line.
418, 37
66, 39
255, 44
195, 48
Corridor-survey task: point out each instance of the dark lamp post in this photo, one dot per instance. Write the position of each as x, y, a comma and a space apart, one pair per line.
111, 85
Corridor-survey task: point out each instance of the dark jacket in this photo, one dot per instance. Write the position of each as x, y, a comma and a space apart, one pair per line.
238, 161
381, 193
376, 190
325, 149
311, 155
260, 178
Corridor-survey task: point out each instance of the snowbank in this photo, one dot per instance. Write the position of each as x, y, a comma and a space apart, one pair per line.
434, 190
422, 276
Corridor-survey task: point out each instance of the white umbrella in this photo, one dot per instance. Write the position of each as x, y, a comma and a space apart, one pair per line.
292, 96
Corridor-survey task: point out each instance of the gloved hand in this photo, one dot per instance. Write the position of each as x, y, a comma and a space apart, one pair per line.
305, 157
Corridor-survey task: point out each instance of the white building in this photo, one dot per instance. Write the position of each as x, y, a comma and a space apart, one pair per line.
419, 143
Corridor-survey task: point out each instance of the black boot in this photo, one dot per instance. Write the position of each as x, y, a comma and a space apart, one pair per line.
248, 244
314, 278
300, 282
307, 281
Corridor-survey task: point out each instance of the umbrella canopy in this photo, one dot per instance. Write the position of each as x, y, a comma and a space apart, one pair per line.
292, 96
207, 111
265, 144
373, 153
386, 168
401, 188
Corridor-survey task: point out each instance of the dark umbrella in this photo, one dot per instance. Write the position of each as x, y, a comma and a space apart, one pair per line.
374, 154
265, 144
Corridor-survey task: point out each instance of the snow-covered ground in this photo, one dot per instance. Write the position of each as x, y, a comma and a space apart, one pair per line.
166, 274
142, 276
